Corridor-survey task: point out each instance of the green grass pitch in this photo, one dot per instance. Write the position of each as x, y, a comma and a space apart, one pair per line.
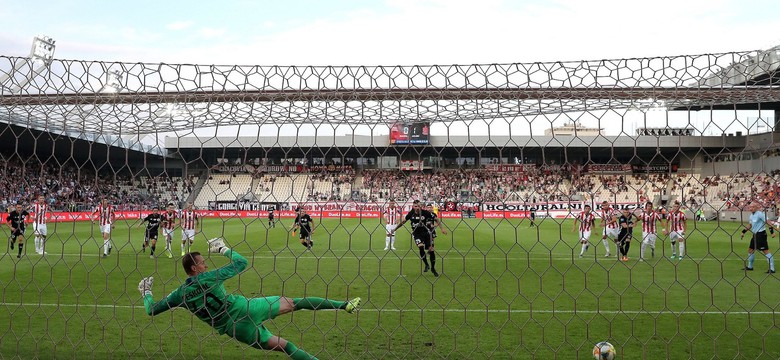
506, 291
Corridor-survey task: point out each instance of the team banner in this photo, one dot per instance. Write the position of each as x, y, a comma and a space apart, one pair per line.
329, 168
310, 206
609, 168
472, 206
232, 168
411, 165
511, 168
654, 168
246, 168
242, 205
631, 206
519, 209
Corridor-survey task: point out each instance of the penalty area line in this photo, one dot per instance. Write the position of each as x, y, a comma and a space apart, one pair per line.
448, 310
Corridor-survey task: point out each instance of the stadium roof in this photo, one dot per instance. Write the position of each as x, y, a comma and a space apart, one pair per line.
492, 141
153, 98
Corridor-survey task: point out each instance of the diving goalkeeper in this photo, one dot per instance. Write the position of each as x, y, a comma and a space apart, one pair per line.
204, 295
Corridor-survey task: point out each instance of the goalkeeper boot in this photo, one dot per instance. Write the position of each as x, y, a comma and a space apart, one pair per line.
352, 305
426, 268
433, 271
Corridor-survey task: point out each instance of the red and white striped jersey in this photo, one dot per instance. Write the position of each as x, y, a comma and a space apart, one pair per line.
188, 218
105, 214
393, 216
677, 221
40, 210
649, 221
170, 219
609, 218
586, 221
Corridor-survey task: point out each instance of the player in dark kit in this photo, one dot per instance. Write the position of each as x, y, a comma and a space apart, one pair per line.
436, 223
304, 222
626, 222
152, 221
271, 221
532, 216
16, 221
422, 234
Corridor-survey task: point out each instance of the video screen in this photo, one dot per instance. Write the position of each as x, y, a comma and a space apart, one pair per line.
417, 133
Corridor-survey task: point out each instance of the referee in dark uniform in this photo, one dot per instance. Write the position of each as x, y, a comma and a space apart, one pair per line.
759, 242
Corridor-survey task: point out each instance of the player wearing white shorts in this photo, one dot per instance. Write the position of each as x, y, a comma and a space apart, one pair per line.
392, 216
39, 209
649, 219
106, 216
609, 221
169, 226
189, 221
676, 226
586, 219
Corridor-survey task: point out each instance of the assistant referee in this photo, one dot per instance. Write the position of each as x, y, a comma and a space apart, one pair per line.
757, 225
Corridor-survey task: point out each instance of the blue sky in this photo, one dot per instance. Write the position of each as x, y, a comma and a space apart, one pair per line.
385, 32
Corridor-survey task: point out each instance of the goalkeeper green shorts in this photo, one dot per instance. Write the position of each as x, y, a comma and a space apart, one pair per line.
250, 330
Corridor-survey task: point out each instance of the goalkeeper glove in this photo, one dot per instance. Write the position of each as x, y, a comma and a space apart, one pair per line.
145, 286
217, 245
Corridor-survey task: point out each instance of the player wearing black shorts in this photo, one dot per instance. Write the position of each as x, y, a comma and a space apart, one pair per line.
305, 223
757, 226
422, 234
532, 215
435, 223
271, 220
626, 222
16, 221
152, 231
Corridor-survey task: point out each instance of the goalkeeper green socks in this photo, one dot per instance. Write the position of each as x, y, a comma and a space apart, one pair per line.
297, 354
315, 303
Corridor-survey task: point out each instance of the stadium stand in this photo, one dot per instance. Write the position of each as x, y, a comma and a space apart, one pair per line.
69, 188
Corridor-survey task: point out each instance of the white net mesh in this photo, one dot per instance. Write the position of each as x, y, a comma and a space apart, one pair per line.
508, 155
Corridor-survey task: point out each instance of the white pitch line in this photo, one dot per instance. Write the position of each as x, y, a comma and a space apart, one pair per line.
450, 257
434, 310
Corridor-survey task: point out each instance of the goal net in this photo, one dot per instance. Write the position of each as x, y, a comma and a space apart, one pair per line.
516, 160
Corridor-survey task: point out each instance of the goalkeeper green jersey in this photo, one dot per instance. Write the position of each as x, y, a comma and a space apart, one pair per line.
204, 295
